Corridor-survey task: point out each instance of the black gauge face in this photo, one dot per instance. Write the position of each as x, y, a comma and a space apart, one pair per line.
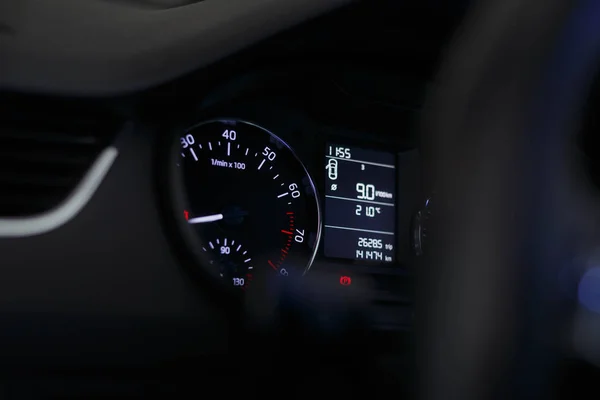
249, 202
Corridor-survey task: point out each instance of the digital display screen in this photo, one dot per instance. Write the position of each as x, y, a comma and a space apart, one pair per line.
360, 204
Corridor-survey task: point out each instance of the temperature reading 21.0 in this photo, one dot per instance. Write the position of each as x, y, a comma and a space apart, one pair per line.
368, 211
360, 204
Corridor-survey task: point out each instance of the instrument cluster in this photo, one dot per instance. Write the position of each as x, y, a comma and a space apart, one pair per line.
261, 188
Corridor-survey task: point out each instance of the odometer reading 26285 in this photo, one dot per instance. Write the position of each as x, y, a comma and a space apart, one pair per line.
250, 201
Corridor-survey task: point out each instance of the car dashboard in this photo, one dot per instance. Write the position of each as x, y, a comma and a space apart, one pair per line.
311, 135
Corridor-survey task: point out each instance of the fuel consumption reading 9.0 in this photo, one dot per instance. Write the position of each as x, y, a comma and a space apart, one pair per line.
360, 192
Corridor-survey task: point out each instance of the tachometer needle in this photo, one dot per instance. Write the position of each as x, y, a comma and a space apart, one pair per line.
206, 218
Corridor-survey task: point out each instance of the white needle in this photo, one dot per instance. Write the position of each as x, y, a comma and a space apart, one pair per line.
206, 218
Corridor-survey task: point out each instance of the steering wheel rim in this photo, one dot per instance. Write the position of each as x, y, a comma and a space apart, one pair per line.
492, 312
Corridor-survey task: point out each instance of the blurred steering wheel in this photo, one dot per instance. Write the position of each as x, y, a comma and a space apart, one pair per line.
513, 208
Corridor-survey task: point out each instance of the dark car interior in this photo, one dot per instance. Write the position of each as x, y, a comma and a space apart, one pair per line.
298, 199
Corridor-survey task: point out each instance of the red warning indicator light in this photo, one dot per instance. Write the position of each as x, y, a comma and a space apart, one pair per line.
345, 280
186, 214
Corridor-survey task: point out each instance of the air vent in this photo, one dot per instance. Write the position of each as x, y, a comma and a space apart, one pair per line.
45, 149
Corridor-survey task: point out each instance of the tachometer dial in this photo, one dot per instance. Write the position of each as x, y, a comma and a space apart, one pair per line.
244, 184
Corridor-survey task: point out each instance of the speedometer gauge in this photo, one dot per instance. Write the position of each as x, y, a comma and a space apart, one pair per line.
247, 201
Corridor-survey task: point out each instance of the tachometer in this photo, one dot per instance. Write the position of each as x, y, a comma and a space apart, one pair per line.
248, 201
